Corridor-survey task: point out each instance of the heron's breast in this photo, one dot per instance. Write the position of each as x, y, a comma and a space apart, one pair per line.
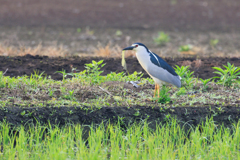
144, 60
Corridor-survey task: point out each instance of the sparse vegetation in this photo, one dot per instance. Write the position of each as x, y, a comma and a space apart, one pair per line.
83, 89
108, 51
79, 30
52, 51
214, 42
181, 91
185, 48
88, 31
2, 84
162, 38
118, 33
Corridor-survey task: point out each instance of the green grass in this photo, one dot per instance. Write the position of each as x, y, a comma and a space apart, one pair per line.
168, 141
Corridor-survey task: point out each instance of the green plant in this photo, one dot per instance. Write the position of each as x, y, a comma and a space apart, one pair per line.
228, 76
205, 82
181, 91
162, 38
23, 113
214, 42
70, 112
186, 76
167, 118
91, 74
220, 109
63, 73
184, 48
182, 71
173, 2
50, 92
94, 67
69, 95
93, 70
79, 30
118, 33
39, 76
63, 89
2, 84
136, 76
164, 95
188, 82
137, 113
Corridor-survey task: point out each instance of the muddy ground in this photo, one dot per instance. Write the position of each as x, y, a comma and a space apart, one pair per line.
26, 65
186, 116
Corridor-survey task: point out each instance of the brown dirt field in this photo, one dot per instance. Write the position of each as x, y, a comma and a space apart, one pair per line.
164, 14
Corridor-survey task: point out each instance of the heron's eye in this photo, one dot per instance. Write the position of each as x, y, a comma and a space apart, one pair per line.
136, 46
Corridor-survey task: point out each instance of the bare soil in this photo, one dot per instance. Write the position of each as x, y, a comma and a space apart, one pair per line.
165, 14
26, 65
186, 116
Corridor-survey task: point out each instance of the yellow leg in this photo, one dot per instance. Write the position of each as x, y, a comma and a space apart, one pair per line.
155, 90
158, 91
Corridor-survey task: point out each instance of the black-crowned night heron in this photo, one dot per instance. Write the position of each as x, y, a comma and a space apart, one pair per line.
160, 71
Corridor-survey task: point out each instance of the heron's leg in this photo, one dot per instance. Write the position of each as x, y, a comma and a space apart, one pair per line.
155, 90
158, 91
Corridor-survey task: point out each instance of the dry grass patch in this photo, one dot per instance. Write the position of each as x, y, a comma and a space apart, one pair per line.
110, 51
51, 51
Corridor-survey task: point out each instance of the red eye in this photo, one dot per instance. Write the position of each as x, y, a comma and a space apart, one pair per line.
136, 46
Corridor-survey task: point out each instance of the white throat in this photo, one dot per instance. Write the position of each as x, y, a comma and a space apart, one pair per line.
142, 57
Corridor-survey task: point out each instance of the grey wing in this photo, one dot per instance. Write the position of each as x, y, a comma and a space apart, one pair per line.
164, 75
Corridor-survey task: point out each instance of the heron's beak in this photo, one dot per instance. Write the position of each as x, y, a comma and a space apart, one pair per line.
128, 48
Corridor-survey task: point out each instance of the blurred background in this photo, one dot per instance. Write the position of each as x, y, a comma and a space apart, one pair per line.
104, 27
